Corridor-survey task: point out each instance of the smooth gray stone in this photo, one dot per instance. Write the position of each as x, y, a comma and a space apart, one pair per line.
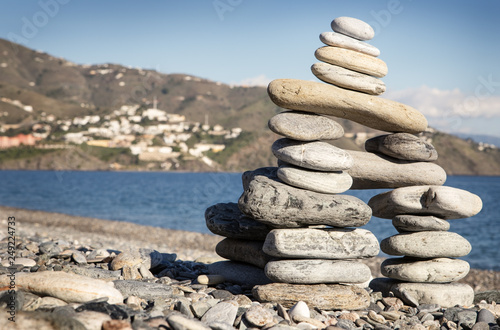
405, 223
324, 243
486, 316
344, 41
243, 250
304, 126
403, 146
426, 244
93, 272
414, 294
316, 155
353, 27
224, 312
349, 79
238, 273
373, 171
443, 202
181, 322
227, 220
321, 182
269, 172
145, 290
315, 271
282, 206
438, 270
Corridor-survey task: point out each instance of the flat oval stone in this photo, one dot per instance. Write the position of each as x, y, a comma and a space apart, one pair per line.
303, 126
243, 251
428, 244
316, 271
322, 296
343, 41
279, 205
445, 295
324, 243
405, 223
374, 171
317, 155
438, 270
402, 146
352, 60
440, 201
227, 220
238, 273
322, 182
368, 110
349, 79
353, 27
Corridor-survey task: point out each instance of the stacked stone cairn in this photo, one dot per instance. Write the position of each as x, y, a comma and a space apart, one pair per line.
292, 226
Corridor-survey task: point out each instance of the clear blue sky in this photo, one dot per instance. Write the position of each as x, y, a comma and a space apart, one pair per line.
440, 51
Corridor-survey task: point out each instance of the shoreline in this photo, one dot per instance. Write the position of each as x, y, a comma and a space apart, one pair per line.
121, 235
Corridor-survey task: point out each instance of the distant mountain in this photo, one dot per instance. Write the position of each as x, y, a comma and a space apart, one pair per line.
489, 139
42, 83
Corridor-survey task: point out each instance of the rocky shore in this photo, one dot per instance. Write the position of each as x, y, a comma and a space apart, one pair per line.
82, 273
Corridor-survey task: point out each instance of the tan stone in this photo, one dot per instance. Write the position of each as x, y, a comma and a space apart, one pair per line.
368, 110
352, 60
322, 296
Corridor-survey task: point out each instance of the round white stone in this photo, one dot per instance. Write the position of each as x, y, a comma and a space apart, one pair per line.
349, 79
343, 41
353, 27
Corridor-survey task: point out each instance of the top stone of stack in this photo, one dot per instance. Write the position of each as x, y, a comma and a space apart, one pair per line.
353, 27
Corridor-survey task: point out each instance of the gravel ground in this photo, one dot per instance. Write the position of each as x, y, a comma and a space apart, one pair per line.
187, 245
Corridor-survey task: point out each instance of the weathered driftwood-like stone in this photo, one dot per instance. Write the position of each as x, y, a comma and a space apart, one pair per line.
303, 126
322, 182
428, 244
227, 220
414, 294
243, 251
402, 146
406, 223
282, 206
443, 202
269, 172
65, 286
438, 270
368, 110
322, 296
349, 79
317, 271
372, 171
316, 155
321, 243
352, 60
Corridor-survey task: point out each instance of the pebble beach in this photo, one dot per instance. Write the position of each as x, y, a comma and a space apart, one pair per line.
173, 288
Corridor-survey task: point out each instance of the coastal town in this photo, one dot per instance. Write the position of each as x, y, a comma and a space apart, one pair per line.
151, 134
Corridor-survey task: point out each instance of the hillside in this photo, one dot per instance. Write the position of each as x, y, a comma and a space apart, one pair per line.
34, 85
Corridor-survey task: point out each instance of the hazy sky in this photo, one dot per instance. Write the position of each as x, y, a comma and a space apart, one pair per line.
443, 56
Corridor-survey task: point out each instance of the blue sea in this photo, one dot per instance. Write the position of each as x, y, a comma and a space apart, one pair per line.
178, 201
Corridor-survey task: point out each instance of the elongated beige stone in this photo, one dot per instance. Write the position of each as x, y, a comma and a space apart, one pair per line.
349, 79
316, 271
322, 296
368, 110
438, 270
303, 126
402, 146
443, 202
322, 182
352, 60
246, 251
405, 223
316, 155
343, 41
428, 244
372, 171
282, 206
65, 286
324, 243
